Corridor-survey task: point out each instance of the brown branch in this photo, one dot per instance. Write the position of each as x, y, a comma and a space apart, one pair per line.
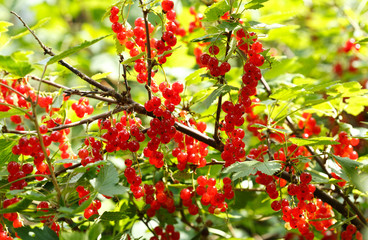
47, 50
219, 102
331, 201
71, 91
68, 168
148, 50
319, 160
43, 147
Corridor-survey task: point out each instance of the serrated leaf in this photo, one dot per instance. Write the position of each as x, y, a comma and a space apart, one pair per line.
207, 38
349, 166
107, 181
220, 91
215, 11
75, 49
133, 59
40, 23
255, 4
228, 26
18, 68
243, 169
289, 93
195, 77
113, 216
169, 51
264, 26
347, 89
11, 112
35, 233
118, 46
6, 154
4, 26
17, 207
99, 76
363, 40
95, 231
83, 169
314, 141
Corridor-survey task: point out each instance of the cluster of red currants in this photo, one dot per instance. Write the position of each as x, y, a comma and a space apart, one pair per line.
167, 233
12, 217
190, 150
125, 135
15, 98
234, 147
133, 179
196, 24
211, 196
82, 107
349, 232
350, 45
212, 63
4, 234
92, 209
346, 146
158, 198
48, 219
16, 171
308, 123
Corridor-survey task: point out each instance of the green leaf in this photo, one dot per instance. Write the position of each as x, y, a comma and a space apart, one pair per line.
165, 217
18, 68
75, 49
17, 207
255, 4
314, 141
363, 40
118, 46
35, 233
169, 51
195, 77
11, 112
39, 24
347, 89
288, 93
6, 154
73, 235
215, 11
113, 216
95, 231
228, 26
4, 26
349, 166
207, 38
107, 181
99, 76
133, 59
220, 91
243, 169
264, 26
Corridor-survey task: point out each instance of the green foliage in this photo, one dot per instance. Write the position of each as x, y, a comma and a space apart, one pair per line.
28, 233
220, 91
6, 154
14, 66
73, 50
244, 169
313, 141
107, 181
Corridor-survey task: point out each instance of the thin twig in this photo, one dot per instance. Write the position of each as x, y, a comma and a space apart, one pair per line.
319, 160
47, 50
219, 102
71, 91
148, 50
